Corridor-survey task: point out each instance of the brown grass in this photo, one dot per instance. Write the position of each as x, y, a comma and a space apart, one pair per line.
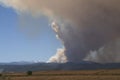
68, 75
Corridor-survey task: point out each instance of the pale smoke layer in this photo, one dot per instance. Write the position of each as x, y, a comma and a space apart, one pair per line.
89, 24
110, 53
59, 57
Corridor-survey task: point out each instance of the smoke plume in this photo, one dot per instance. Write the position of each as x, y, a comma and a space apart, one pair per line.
59, 57
83, 26
109, 53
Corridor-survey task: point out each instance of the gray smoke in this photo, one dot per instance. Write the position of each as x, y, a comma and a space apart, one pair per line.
87, 25
109, 53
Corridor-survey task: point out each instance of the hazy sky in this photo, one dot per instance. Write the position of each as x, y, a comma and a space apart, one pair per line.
16, 45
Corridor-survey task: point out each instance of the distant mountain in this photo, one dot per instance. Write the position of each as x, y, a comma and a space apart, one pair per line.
17, 63
17, 67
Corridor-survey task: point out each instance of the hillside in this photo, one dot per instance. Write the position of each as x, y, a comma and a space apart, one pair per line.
56, 66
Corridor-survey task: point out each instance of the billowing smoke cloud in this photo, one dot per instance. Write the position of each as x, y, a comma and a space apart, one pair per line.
59, 57
87, 24
109, 53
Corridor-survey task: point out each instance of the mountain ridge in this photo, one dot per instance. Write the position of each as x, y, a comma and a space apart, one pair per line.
83, 65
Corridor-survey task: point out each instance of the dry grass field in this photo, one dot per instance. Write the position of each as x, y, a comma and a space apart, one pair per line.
65, 75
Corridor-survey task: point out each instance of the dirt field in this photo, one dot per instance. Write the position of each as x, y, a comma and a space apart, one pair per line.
65, 75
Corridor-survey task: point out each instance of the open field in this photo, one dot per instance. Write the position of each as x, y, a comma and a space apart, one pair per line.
65, 75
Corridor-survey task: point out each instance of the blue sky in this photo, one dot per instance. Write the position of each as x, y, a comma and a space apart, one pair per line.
18, 45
